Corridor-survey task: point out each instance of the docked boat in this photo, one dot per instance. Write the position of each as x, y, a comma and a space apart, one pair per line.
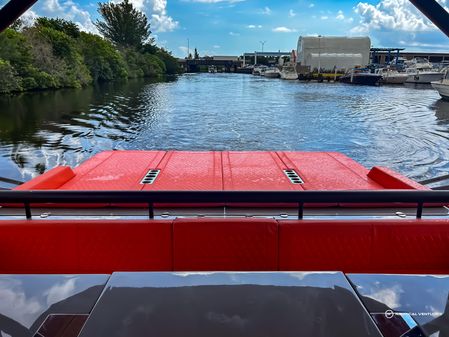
442, 86
392, 76
361, 76
421, 71
259, 70
212, 69
288, 72
272, 72
287, 64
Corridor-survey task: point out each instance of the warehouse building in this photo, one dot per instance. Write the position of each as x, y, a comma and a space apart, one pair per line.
327, 54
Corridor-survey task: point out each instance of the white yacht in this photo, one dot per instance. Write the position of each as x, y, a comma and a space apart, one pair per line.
259, 70
420, 70
443, 86
392, 76
288, 72
272, 72
288, 67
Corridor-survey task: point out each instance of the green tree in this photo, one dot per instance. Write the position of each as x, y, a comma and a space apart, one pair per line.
8, 80
123, 25
104, 62
171, 63
61, 25
196, 55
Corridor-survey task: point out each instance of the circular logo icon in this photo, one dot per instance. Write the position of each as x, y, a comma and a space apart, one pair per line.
389, 314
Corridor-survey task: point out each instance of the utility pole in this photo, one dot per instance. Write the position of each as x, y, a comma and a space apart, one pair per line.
188, 47
319, 54
263, 44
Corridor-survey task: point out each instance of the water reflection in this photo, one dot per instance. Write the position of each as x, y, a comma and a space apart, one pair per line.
403, 127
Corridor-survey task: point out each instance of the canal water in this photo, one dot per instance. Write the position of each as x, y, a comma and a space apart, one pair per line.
404, 127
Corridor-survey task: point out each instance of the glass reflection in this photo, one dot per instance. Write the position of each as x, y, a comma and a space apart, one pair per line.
407, 300
26, 300
229, 304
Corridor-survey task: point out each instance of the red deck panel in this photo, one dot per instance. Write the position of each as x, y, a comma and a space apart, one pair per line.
322, 171
108, 246
412, 246
225, 244
325, 246
123, 170
255, 171
392, 180
41, 247
92, 162
50, 180
189, 171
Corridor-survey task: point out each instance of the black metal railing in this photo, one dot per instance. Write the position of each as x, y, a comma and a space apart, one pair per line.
410, 197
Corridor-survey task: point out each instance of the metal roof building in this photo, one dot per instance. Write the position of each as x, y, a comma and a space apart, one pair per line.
329, 53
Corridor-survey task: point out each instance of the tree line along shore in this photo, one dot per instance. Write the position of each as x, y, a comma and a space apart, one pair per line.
54, 53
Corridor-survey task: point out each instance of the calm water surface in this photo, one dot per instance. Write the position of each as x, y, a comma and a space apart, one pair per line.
404, 127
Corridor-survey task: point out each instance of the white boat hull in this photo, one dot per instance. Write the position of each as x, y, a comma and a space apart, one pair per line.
442, 88
271, 74
289, 76
424, 77
395, 79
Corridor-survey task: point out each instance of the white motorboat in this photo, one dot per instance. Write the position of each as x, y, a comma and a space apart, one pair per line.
288, 72
392, 76
287, 65
259, 70
442, 86
272, 72
420, 70
212, 69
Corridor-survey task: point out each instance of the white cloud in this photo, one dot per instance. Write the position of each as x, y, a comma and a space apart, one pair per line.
184, 49
291, 13
60, 291
70, 11
52, 5
234, 34
216, 1
283, 30
324, 17
254, 26
388, 296
216, 46
15, 302
392, 15
311, 5
340, 15
421, 45
160, 20
265, 11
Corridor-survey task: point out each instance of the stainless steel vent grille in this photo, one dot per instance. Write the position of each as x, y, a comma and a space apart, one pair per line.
150, 177
293, 176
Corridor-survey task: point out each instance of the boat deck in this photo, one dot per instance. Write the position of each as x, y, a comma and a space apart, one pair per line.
219, 171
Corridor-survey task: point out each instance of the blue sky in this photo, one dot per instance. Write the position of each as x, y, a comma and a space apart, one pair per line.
231, 27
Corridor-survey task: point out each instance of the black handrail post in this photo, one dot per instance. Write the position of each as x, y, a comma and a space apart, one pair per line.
419, 210
27, 210
300, 210
151, 210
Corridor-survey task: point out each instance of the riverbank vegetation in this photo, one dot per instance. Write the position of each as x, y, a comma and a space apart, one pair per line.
54, 53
